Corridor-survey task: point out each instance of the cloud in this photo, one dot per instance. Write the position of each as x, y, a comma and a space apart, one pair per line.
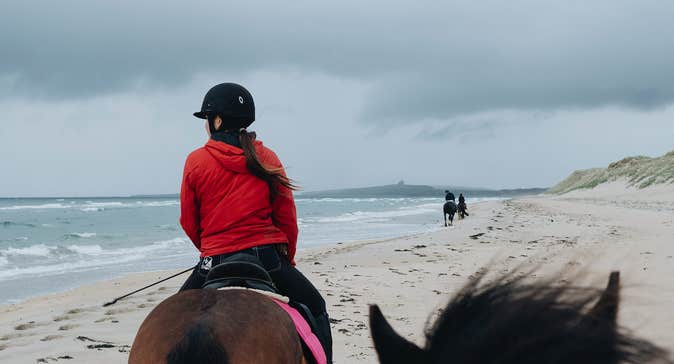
423, 60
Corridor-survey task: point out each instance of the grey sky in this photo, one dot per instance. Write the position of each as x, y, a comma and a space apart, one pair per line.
96, 97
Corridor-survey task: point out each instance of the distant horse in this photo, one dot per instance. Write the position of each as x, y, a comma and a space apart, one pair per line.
510, 322
449, 208
461, 209
217, 326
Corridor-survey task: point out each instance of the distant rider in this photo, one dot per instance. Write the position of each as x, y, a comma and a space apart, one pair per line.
462, 204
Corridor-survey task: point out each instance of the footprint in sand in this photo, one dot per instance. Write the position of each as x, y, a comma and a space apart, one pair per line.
26, 326
51, 358
118, 311
51, 337
62, 318
67, 327
70, 314
11, 336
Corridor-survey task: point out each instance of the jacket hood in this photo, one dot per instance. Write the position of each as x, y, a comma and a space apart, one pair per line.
230, 157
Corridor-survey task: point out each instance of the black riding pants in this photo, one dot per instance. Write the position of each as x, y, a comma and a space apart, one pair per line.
289, 281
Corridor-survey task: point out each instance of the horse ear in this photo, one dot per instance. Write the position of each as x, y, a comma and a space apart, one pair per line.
606, 309
391, 347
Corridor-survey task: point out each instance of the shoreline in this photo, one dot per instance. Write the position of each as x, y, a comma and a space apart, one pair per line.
131, 276
408, 277
49, 255
120, 276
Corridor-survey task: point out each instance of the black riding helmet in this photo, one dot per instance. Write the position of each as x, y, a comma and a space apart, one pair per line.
232, 102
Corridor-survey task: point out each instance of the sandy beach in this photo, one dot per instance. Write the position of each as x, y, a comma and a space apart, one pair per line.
590, 232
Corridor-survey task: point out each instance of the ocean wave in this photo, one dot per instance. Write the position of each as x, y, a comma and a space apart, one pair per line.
104, 204
66, 267
158, 203
42, 250
93, 206
39, 250
169, 227
363, 199
8, 223
86, 249
79, 235
97, 250
19, 238
380, 216
35, 207
72, 258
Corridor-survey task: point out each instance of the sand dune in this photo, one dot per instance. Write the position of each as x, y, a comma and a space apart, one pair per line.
632, 172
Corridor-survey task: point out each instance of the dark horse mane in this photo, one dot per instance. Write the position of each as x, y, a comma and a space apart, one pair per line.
199, 345
510, 321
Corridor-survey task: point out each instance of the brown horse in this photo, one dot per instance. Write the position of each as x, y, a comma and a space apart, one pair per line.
511, 322
214, 326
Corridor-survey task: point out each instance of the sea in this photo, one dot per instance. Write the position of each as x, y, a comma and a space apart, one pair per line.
50, 245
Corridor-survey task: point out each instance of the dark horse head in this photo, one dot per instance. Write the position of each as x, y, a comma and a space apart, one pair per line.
511, 322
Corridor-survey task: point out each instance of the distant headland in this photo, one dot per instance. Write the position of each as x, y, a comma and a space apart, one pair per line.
401, 189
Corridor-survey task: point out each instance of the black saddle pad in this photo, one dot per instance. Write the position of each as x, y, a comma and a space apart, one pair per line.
240, 270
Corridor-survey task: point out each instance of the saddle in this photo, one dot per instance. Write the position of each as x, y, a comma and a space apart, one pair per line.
240, 270
247, 271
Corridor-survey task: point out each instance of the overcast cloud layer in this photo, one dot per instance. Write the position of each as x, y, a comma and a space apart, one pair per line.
425, 59
499, 88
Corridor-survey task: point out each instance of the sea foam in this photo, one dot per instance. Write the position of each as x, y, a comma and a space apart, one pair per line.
73, 258
39, 250
380, 216
93, 206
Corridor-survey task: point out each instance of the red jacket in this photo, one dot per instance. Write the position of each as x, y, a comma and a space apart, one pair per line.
224, 208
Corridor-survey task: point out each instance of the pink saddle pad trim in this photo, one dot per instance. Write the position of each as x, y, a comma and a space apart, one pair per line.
305, 333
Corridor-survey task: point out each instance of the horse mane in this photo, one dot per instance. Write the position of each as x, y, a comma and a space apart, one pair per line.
509, 321
199, 345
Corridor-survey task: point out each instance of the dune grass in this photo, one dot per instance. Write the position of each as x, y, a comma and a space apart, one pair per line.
639, 171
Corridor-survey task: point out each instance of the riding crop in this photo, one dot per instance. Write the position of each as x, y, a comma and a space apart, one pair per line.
148, 286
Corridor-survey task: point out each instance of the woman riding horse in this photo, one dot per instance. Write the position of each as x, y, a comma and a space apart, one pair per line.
236, 198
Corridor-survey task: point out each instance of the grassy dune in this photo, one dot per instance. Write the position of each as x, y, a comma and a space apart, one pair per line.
639, 172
